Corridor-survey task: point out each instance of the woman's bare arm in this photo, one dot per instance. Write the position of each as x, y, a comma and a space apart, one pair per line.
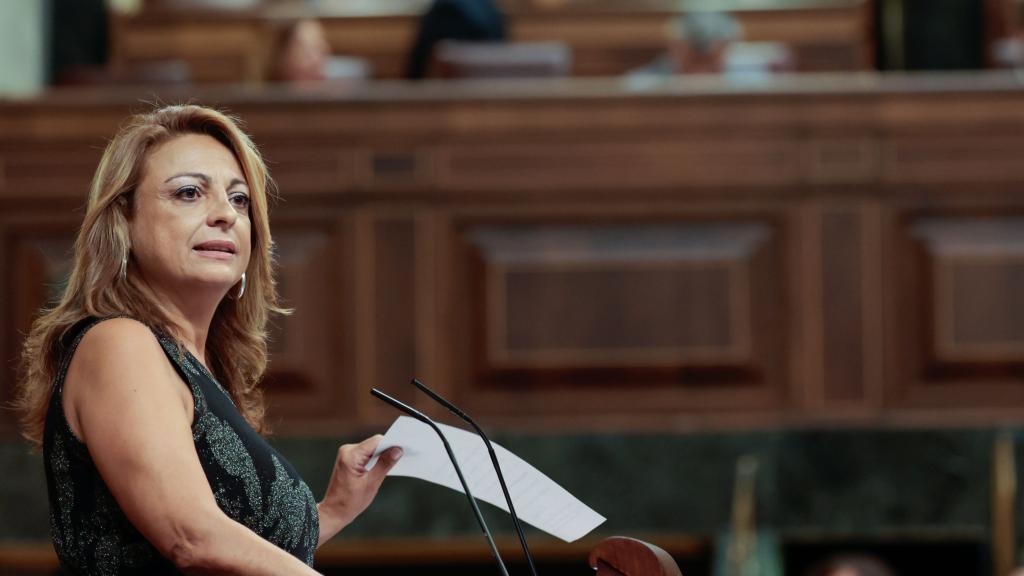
126, 402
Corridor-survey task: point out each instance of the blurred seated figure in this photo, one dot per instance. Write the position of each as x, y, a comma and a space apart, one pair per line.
455, 59
303, 56
709, 43
853, 565
461, 20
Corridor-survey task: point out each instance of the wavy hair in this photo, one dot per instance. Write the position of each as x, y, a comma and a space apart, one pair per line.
237, 338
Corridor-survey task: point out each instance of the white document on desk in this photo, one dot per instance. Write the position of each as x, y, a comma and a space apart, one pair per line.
539, 501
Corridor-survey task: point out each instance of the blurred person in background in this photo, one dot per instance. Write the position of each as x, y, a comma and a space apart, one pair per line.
467, 20
302, 55
710, 43
142, 384
696, 44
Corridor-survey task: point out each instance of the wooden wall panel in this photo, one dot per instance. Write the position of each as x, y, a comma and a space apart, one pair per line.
394, 306
311, 354
960, 158
976, 277
962, 335
600, 166
35, 260
838, 249
27, 172
612, 306
843, 307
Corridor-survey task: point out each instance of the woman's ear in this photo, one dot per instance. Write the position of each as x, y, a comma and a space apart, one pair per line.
124, 203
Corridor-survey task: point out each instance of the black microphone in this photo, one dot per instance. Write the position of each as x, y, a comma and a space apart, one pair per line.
451, 455
494, 460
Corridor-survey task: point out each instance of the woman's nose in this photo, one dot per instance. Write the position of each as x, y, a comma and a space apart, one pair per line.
221, 213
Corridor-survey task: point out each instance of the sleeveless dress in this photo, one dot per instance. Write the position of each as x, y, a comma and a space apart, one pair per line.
252, 482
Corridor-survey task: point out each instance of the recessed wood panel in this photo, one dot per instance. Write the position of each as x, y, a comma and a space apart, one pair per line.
977, 278
843, 311
309, 356
692, 303
957, 326
595, 313
394, 302
36, 261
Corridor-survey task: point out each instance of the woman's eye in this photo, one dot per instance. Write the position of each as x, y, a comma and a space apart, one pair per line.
187, 192
240, 200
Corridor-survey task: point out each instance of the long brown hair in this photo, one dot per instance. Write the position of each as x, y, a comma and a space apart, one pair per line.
236, 342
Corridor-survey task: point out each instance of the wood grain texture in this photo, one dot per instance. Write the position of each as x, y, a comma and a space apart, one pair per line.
577, 255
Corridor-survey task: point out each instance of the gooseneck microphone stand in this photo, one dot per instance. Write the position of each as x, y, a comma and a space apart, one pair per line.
494, 460
451, 455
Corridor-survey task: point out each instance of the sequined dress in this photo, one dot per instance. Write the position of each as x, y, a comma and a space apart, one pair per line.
252, 482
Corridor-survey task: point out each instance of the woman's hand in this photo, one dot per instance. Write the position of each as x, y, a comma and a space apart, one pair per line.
352, 486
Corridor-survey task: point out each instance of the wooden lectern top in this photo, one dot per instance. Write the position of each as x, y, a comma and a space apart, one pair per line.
621, 556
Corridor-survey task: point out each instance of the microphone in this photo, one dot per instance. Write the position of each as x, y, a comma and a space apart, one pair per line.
451, 455
494, 460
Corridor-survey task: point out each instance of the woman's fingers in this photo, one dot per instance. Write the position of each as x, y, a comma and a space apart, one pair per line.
386, 462
356, 456
369, 445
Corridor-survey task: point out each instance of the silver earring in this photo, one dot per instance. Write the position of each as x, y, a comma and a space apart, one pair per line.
241, 289
124, 268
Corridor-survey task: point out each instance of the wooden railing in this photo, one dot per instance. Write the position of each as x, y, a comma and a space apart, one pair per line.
815, 249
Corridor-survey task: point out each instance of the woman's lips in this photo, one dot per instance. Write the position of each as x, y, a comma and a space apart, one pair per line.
216, 249
215, 254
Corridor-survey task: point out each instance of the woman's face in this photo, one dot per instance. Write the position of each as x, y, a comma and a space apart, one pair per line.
305, 54
190, 228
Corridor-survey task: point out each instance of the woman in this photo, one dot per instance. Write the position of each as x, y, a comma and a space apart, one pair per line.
141, 384
302, 56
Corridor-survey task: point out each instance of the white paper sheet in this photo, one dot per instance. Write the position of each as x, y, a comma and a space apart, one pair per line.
539, 501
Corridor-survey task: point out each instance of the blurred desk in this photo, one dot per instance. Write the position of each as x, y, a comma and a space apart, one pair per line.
587, 254
606, 38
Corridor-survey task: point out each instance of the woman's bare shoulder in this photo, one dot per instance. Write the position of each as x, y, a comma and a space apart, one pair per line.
116, 359
120, 341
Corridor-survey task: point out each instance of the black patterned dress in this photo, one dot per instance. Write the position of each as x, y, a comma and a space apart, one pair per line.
252, 482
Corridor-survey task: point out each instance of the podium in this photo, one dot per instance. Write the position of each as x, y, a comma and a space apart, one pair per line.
621, 556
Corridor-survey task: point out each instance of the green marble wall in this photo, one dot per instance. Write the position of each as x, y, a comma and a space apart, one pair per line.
853, 483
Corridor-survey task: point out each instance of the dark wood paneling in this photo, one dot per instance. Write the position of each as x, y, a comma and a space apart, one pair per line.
27, 172
35, 260
625, 306
961, 331
837, 248
619, 164
843, 307
310, 354
394, 303
976, 277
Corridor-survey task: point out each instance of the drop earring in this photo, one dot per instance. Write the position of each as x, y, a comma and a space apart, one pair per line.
241, 289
